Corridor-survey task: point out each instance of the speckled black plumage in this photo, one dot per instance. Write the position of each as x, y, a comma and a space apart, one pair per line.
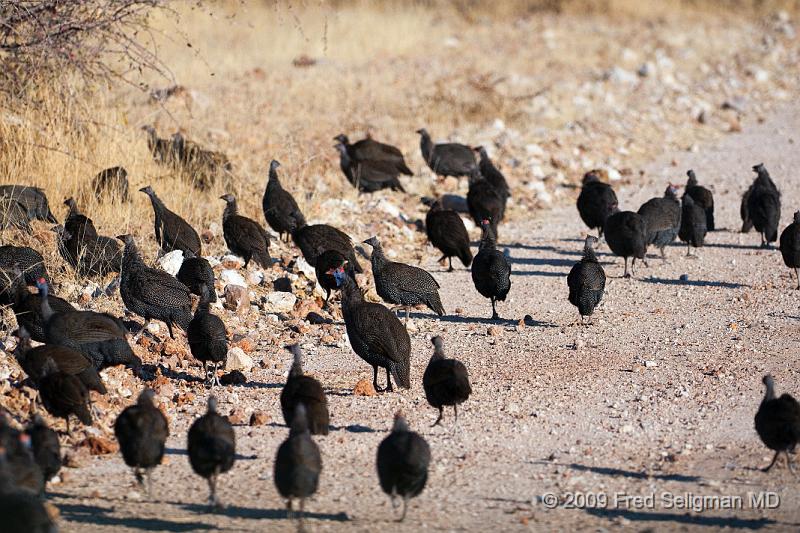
171, 231
302, 389
27, 308
13, 215
152, 293
663, 219
64, 394
447, 159
403, 460
596, 202
45, 447
207, 337
445, 381
744, 212
19, 469
401, 284
32, 199
298, 463
368, 149
491, 270
369, 175
244, 236
702, 197
376, 335
28, 260
327, 261
764, 206
142, 430
196, 273
278, 204
777, 422
201, 165
211, 445
586, 280
23, 511
484, 201
89, 253
315, 239
493, 174
790, 246
693, 224
447, 232
112, 181
626, 235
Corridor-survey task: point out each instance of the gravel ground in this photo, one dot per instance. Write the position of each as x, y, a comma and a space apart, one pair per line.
655, 399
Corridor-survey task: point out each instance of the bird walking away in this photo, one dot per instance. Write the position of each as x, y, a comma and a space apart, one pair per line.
298, 464
142, 430
369, 175
27, 306
278, 204
492, 174
447, 232
315, 239
375, 334
484, 201
663, 219
196, 273
790, 246
597, 201
702, 197
491, 270
764, 206
20, 469
208, 339
586, 280
626, 235
171, 231
327, 261
777, 423
448, 159
211, 444
368, 149
45, 447
403, 461
693, 225
445, 381
152, 293
302, 389
403, 285
64, 394
244, 236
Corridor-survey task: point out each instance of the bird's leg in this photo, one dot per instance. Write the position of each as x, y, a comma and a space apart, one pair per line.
626, 275
300, 515
797, 275
450, 259
289, 513
405, 508
148, 474
327, 297
774, 459
389, 387
495, 316
688, 250
212, 487
455, 413
441, 412
375, 379
169, 328
663, 255
407, 311
216, 375
141, 331
66, 420
790, 463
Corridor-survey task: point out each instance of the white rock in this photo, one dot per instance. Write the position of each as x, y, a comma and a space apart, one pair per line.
255, 277
280, 302
231, 277
452, 42
650, 364
613, 174
238, 360
620, 75
469, 224
627, 428
154, 327
213, 261
499, 125
534, 150
230, 258
171, 262
387, 207
306, 269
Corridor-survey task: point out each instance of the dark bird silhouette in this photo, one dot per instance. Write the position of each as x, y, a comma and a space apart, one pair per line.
447, 232
484, 201
196, 273
28, 260
702, 197
369, 175
747, 223
77, 223
212, 447
19, 468
152, 293
22, 511
492, 174
491, 270
112, 181
298, 463
778, 423
368, 149
403, 460
663, 219
764, 206
403, 285
208, 339
172, 232
163, 150
141, 430
626, 235
13, 215
790, 246
32, 199
89, 253
203, 166
318, 238
45, 447
375, 334
302, 389
64, 394
448, 159
693, 224
28, 307
327, 261
586, 280
446, 381
98, 336
596, 202
244, 236
278, 204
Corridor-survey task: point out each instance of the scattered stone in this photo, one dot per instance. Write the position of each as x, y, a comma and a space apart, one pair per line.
280, 302
231, 277
627, 428
364, 388
283, 284
237, 416
305, 268
237, 299
171, 262
232, 262
316, 319
238, 360
259, 418
233, 378
458, 311
494, 331
245, 343
99, 445
650, 364
255, 277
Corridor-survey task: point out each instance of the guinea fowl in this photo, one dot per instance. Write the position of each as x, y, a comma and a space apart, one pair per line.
778, 423
152, 293
403, 285
491, 270
196, 273
305, 390
27, 308
32, 199
22, 511
172, 232
211, 444
318, 238
163, 150
403, 460
663, 219
484, 201
113, 181
448, 159
586, 280
28, 260
790, 246
492, 174
626, 235
20, 468
327, 261
375, 334
693, 224
278, 204
87, 252
764, 206
64, 394
596, 202
369, 149
369, 175
201, 165
141, 430
702, 197
13, 215
76, 222
45, 447
446, 381
244, 236
447, 232
208, 339
298, 463
747, 223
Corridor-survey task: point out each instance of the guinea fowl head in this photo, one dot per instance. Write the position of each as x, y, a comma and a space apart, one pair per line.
481, 152
593, 176
41, 284
339, 275
373, 241
148, 190
146, 397
70, 202
692, 178
400, 423
438, 346
759, 168
671, 191
151, 131
341, 148
127, 239
770, 384
297, 360
229, 198
273, 166
342, 139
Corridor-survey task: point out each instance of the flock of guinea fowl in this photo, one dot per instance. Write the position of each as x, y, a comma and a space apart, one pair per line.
77, 344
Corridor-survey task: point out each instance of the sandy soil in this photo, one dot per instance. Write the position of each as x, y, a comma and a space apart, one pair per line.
656, 397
